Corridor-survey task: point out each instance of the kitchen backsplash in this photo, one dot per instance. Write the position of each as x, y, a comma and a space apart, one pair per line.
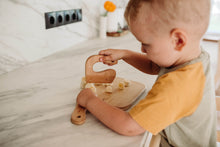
24, 39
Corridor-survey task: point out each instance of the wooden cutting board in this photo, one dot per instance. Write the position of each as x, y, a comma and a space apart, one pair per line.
122, 99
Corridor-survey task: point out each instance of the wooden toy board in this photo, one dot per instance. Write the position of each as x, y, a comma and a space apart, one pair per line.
124, 98
121, 98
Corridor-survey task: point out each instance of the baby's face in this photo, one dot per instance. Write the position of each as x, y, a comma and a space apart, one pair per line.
157, 44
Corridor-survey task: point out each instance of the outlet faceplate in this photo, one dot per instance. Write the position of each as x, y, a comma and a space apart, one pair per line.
67, 17
79, 14
59, 18
50, 19
73, 16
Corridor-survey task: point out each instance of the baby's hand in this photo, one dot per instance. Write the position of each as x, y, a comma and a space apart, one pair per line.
84, 96
111, 56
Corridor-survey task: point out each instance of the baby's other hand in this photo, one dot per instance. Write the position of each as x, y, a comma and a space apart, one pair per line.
111, 56
84, 96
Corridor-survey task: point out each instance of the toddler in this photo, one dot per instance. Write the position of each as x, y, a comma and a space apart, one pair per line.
181, 104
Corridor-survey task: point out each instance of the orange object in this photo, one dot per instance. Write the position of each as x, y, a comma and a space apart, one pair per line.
109, 6
167, 102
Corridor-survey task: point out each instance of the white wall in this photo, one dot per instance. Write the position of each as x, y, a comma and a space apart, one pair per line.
24, 39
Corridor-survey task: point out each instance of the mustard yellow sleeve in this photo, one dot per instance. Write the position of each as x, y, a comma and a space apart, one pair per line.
175, 95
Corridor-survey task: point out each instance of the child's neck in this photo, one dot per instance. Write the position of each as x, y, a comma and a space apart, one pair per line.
188, 54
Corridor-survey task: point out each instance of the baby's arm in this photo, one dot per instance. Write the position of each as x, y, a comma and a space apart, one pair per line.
116, 119
137, 60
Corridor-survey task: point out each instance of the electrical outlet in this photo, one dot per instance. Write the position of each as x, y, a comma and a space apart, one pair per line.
59, 18
73, 16
50, 19
79, 14
67, 17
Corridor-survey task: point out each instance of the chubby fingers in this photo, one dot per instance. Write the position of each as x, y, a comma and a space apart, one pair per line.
108, 60
111, 62
105, 52
108, 57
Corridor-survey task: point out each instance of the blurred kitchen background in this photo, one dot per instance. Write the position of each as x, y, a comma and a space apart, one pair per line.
24, 39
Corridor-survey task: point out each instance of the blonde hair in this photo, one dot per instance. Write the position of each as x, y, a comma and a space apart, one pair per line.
193, 13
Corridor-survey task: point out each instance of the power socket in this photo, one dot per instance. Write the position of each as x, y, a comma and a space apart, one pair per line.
79, 14
67, 16
50, 19
73, 16
59, 18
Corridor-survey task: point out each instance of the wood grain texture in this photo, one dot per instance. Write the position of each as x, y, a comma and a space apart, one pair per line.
122, 99
106, 76
117, 34
78, 116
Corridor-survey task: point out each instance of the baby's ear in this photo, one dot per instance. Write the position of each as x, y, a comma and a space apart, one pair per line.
179, 38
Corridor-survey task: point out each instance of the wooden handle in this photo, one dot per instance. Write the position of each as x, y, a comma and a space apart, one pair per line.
78, 116
106, 76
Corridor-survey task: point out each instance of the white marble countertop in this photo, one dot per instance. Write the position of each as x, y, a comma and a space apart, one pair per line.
36, 101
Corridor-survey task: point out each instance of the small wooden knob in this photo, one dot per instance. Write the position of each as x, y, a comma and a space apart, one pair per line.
106, 76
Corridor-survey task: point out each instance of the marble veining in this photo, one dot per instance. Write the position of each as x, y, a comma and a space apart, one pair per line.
8, 63
36, 101
24, 39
